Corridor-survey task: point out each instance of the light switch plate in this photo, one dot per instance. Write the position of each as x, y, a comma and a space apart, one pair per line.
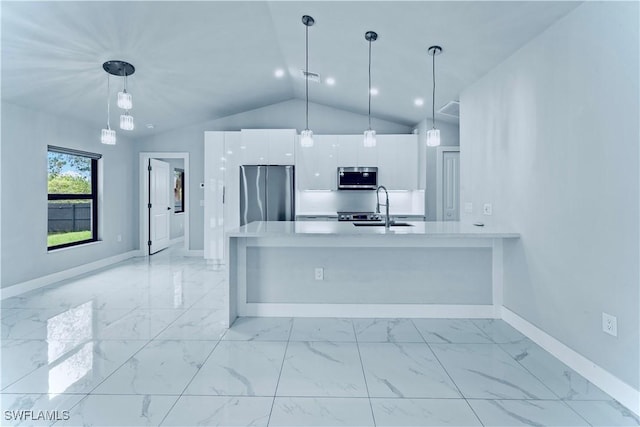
487, 209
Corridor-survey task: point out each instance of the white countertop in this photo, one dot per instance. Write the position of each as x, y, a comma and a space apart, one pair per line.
440, 229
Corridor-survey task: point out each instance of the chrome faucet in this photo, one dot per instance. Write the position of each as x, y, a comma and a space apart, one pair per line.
387, 222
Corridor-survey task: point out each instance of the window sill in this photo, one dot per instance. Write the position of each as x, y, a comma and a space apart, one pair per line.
82, 245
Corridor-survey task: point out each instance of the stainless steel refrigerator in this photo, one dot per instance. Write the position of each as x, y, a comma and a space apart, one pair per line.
267, 193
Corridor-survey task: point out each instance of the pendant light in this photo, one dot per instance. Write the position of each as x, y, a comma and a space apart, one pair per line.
433, 134
122, 69
125, 101
370, 134
108, 136
306, 136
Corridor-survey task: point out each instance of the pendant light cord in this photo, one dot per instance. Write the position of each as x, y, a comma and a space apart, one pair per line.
433, 96
108, 112
369, 84
306, 73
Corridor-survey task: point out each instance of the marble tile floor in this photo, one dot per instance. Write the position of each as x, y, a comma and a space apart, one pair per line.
142, 344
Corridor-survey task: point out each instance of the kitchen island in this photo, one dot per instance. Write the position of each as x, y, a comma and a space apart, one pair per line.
337, 269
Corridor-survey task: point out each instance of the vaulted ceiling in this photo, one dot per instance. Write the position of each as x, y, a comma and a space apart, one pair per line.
198, 61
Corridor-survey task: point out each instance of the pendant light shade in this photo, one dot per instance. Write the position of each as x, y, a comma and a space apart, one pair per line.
433, 137
108, 136
433, 134
306, 136
370, 134
125, 101
126, 121
369, 138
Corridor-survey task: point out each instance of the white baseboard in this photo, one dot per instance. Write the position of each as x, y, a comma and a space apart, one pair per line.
609, 383
49, 279
176, 240
367, 310
194, 253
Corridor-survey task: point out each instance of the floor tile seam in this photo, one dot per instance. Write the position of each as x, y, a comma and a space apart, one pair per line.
419, 332
200, 368
118, 368
284, 357
455, 384
100, 383
529, 372
364, 375
575, 412
483, 333
170, 409
19, 379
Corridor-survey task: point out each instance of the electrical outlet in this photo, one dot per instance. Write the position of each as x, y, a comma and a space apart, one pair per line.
487, 209
119, 238
319, 273
468, 207
610, 324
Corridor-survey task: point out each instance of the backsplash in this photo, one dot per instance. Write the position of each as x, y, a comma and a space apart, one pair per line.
311, 202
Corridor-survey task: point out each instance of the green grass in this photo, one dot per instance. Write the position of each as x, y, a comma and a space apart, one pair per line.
62, 238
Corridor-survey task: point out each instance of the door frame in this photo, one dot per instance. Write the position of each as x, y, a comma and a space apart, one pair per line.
143, 196
439, 182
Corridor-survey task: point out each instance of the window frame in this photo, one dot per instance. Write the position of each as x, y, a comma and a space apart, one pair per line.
93, 197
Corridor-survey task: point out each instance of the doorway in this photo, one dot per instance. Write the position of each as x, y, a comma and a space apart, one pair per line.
157, 187
448, 184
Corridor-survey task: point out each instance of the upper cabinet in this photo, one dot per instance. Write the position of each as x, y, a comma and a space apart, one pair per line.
268, 146
352, 152
281, 146
316, 167
398, 161
396, 157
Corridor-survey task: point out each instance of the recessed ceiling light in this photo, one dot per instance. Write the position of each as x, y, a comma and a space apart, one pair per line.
330, 81
374, 91
279, 73
418, 102
150, 125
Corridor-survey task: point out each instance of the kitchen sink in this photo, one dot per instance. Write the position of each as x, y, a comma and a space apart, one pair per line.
381, 224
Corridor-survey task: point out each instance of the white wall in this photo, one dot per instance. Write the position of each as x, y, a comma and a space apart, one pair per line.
449, 136
176, 227
25, 136
550, 137
284, 115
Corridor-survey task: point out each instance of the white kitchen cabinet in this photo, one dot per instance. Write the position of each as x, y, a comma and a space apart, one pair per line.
352, 152
268, 146
255, 147
213, 195
316, 166
281, 146
367, 156
234, 156
347, 150
398, 161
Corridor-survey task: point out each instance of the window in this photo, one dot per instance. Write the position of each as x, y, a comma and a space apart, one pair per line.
178, 190
73, 197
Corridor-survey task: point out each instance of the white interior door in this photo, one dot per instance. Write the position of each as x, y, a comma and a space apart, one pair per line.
159, 205
451, 185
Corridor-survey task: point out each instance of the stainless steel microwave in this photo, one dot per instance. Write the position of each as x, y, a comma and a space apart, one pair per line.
357, 178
